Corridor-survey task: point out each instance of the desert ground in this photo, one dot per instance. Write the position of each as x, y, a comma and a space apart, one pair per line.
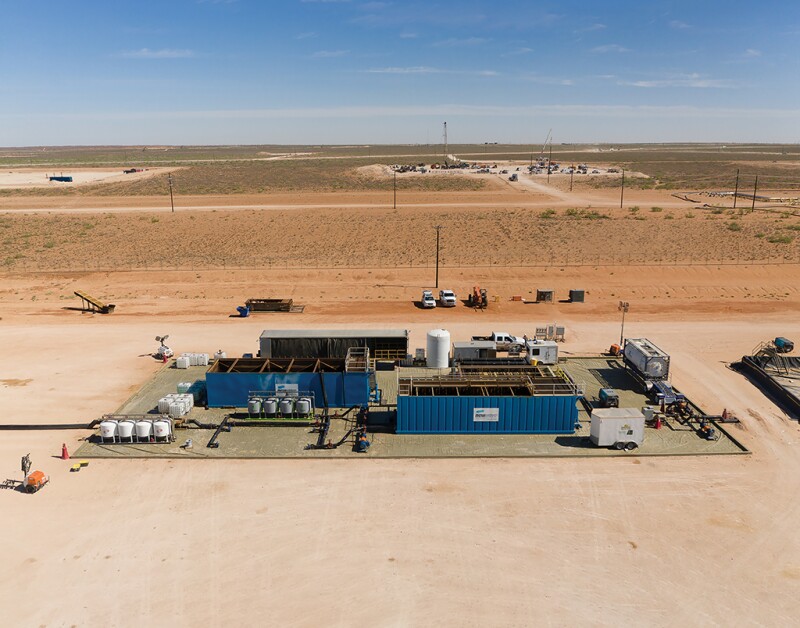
636, 540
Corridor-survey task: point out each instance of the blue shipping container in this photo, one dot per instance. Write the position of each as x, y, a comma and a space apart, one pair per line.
343, 390
487, 415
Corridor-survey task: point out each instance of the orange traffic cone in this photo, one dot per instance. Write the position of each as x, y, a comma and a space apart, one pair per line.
725, 414
64, 452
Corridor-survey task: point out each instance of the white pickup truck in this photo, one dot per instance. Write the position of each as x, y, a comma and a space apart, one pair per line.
504, 341
427, 299
447, 298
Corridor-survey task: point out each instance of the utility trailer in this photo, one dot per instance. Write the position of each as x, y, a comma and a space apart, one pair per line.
620, 428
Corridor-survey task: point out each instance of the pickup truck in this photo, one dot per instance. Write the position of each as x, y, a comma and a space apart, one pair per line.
504, 341
427, 299
447, 298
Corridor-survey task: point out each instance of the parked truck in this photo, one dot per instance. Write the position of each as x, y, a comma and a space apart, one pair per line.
504, 341
620, 428
447, 298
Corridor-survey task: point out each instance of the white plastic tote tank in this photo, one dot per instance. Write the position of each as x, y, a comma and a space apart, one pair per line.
438, 349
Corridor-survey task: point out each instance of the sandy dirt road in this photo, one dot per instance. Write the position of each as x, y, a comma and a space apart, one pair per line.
671, 542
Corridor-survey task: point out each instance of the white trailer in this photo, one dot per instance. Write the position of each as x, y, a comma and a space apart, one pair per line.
620, 428
542, 352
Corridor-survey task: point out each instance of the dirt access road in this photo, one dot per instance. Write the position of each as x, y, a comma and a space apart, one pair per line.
670, 542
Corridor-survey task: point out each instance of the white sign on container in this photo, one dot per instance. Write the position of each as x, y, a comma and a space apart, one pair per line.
287, 390
486, 415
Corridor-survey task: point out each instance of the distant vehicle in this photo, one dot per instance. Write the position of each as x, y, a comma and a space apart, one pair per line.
504, 341
595, 171
620, 428
612, 171
447, 298
513, 177
504, 172
427, 299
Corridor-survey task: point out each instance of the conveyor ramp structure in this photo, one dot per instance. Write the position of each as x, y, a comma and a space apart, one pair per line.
91, 304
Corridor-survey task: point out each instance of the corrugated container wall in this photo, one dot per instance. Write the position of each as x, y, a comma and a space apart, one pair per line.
482, 415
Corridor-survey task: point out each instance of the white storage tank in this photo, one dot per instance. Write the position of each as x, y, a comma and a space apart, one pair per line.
650, 361
287, 406
303, 407
161, 429
254, 406
182, 363
108, 430
144, 430
125, 430
183, 387
220, 355
270, 406
438, 349
203, 361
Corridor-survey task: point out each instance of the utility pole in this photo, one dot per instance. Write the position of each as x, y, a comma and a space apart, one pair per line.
755, 189
571, 174
438, 228
171, 199
550, 162
623, 307
394, 204
736, 189
622, 190
445, 143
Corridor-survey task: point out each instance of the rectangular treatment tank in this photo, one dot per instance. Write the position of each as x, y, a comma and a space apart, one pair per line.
544, 414
343, 390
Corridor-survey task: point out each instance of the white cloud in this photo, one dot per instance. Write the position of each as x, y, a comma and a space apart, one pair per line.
610, 48
406, 35
678, 25
522, 50
696, 81
453, 42
308, 35
163, 53
329, 54
752, 52
592, 28
423, 69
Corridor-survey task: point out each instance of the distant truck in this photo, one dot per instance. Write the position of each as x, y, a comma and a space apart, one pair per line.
447, 298
427, 299
513, 177
620, 428
504, 341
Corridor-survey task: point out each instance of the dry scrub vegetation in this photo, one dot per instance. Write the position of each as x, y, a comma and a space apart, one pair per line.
375, 238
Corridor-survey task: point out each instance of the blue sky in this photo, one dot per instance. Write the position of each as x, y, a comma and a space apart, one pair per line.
351, 71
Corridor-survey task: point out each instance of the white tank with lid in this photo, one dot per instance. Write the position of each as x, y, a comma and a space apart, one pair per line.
108, 429
303, 407
287, 405
161, 429
125, 429
254, 406
270, 406
144, 429
438, 349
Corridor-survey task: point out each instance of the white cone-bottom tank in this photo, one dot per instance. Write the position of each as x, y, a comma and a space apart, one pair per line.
108, 430
161, 430
438, 349
125, 430
287, 406
144, 430
270, 406
303, 407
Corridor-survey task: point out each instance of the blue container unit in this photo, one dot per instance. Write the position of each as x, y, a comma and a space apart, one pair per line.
343, 390
541, 414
